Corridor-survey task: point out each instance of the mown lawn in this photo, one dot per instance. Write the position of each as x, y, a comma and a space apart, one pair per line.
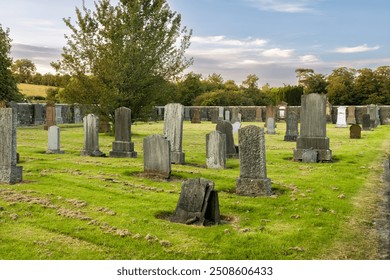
72, 207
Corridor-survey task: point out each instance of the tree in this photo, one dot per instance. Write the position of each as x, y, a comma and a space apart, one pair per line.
123, 55
340, 87
24, 70
311, 82
189, 88
8, 88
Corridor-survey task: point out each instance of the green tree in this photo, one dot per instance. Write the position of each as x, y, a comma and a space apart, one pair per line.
189, 88
123, 54
24, 70
290, 94
8, 88
366, 87
340, 88
311, 82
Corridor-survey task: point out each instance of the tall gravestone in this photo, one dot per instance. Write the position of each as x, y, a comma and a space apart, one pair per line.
216, 150
9, 172
291, 126
53, 141
253, 179
341, 117
50, 116
271, 126
198, 203
259, 112
366, 123
122, 147
351, 118
373, 111
91, 137
226, 128
313, 128
157, 156
173, 130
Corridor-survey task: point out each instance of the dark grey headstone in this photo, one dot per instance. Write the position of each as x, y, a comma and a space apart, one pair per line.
216, 150
157, 156
291, 127
198, 203
355, 131
366, 122
226, 128
91, 137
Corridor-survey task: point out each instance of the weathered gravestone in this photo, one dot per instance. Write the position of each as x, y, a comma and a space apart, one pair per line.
269, 113
259, 117
227, 115
91, 137
341, 117
313, 128
58, 109
216, 150
53, 142
226, 128
373, 111
291, 126
253, 179
157, 156
198, 203
351, 118
50, 116
173, 130
366, 122
122, 147
196, 116
271, 126
221, 111
355, 131
77, 114
9, 172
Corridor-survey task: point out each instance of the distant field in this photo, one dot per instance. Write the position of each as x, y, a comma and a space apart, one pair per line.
33, 90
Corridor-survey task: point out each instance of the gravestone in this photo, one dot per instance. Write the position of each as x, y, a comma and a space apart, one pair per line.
291, 126
259, 112
221, 111
269, 113
187, 114
213, 113
39, 114
122, 147
355, 131
173, 130
226, 128
373, 111
50, 116
198, 203
9, 172
53, 142
91, 137
235, 115
216, 150
77, 114
195, 116
253, 179
59, 119
271, 126
227, 116
351, 118
328, 112
341, 117
366, 122
313, 128
157, 156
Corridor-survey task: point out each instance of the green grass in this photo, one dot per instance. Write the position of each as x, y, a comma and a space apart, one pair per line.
72, 207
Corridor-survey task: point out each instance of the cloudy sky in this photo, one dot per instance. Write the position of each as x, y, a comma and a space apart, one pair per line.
269, 38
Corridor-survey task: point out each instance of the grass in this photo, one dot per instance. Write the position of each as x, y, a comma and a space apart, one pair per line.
33, 90
72, 207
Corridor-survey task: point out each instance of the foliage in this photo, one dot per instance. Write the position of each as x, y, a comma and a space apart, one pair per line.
8, 87
290, 94
23, 70
126, 52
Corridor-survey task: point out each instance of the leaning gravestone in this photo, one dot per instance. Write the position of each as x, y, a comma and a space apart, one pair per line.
50, 116
91, 137
366, 122
122, 147
355, 131
271, 126
53, 142
291, 126
341, 117
157, 156
253, 179
9, 172
226, 128
313, 128
173, 130
216, 150
198, 203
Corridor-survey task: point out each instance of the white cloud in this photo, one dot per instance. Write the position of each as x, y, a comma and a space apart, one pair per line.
357, 49
284, 6
222, 40
309, 58
276, 52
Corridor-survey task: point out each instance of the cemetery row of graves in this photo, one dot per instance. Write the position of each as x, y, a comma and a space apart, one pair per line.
181, 190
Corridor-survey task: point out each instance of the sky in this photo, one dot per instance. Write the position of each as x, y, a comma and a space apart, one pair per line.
234, 38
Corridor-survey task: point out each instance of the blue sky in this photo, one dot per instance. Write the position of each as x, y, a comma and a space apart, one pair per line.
235, 38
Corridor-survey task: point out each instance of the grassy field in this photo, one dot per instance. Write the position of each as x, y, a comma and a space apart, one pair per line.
33, 90
73, 207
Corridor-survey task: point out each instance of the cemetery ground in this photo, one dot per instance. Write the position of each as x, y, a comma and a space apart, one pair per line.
73, 207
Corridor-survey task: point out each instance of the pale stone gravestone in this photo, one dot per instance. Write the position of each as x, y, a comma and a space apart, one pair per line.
157, 156
351, 118
195, 116
53, 142
235, 115
341, 117
216, 150
313, 128
9, 172
227, 116
59, 119
259, 117
198, 203
91, 137
291, 127
173, 130
373, 111
355, 131
271, 126
253, 179
221, 111
50, 116
366, 122
122, 147
77, 114
226, 128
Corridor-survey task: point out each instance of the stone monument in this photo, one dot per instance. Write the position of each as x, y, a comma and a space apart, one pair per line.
53, 142
91, 137
173, 130
341, 117
216, 150
291, 126
355, 131
157, 156
225, 127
